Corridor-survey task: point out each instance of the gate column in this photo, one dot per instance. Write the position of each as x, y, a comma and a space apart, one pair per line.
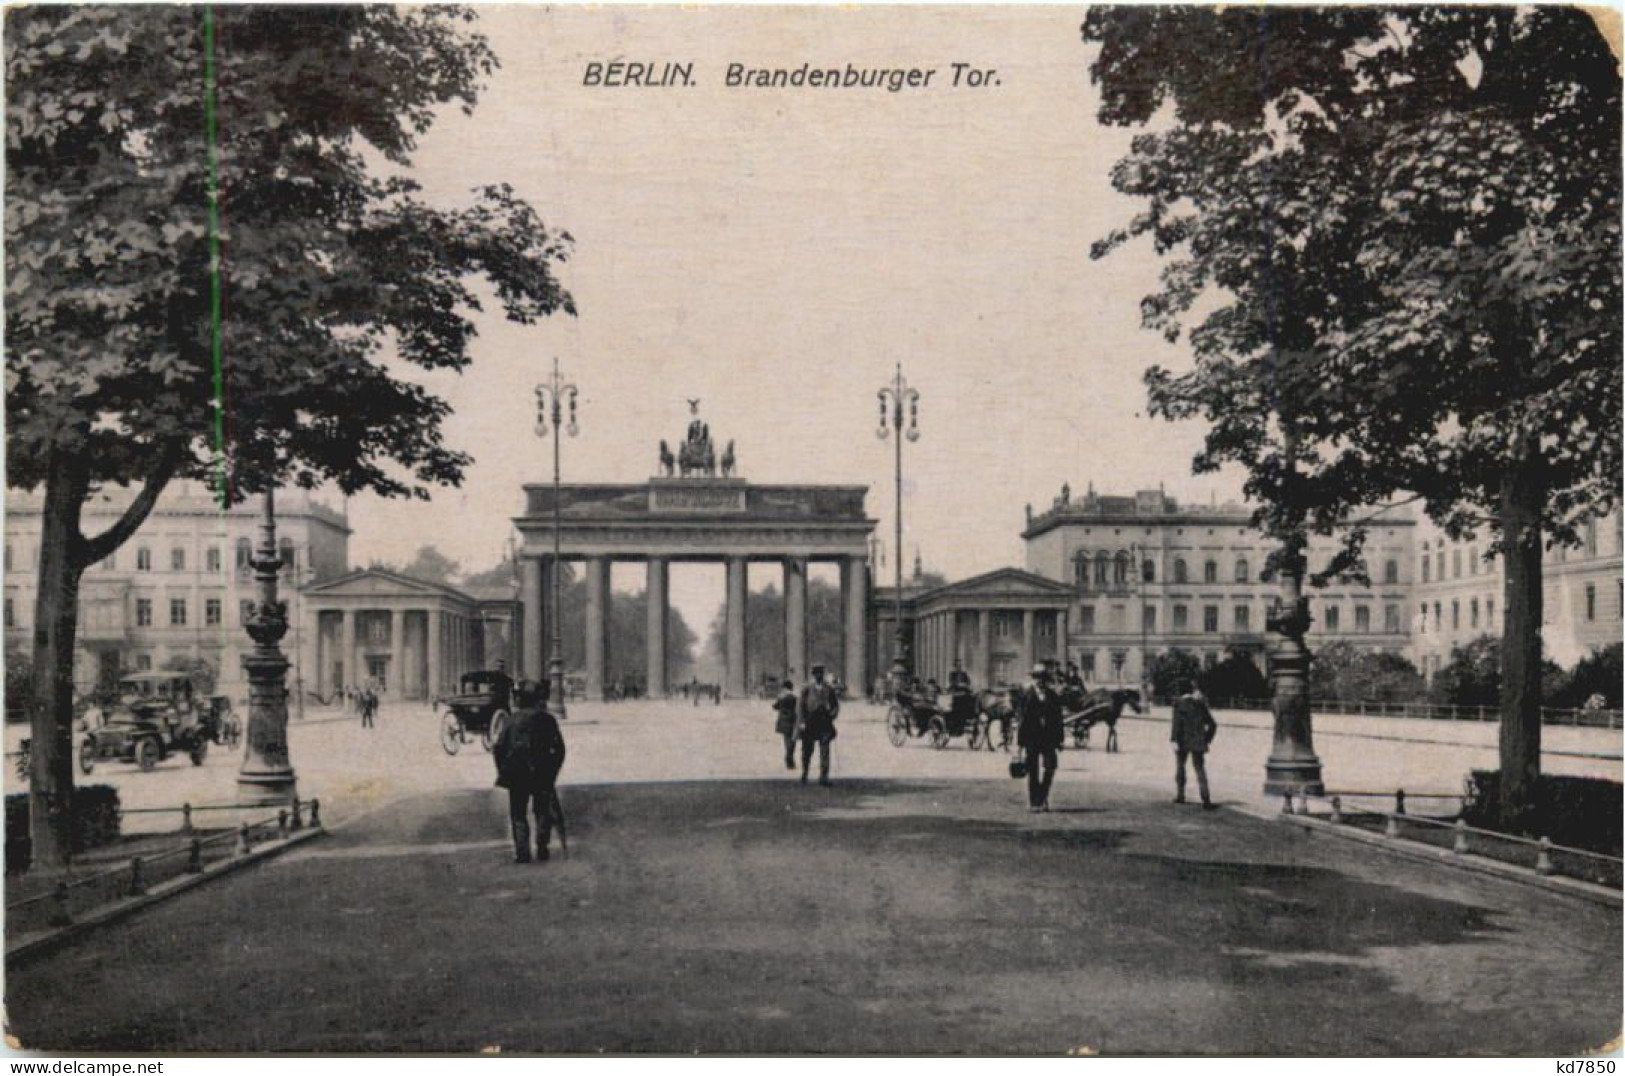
597, 578
656, 591
533, 656
795, 619
984, 648
854, 601
735, 616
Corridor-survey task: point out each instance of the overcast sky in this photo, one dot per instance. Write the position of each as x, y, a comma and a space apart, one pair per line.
775, 252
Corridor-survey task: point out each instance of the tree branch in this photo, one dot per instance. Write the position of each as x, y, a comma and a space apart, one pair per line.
94, 549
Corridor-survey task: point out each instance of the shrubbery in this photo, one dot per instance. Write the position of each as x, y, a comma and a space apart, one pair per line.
1581, 812
97, 820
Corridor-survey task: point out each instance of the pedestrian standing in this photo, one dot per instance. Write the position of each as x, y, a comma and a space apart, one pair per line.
1039, 736
816, 715
369, 708
1192, 734
785, 723
529, 754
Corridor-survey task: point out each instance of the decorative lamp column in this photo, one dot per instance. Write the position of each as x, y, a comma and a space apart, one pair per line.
551, 397
1293, 766
266, 776
895, 399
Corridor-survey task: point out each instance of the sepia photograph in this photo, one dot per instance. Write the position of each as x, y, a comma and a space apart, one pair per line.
787, 531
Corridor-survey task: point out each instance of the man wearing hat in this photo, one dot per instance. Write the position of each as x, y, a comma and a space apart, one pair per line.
529, 753
1193, 730
816, 716
1039, 735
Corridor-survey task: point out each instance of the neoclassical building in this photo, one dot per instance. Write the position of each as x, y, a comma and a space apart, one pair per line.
996, 625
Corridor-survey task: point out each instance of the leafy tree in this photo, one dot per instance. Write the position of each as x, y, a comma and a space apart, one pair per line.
19, 681
186, 185
1396, 232
1172, 670
1234, 678
1343, 672
764, 631
1474, 674
431, 565
201, 672
1599, 673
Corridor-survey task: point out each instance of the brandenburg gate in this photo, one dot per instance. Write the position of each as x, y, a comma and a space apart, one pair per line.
695, 515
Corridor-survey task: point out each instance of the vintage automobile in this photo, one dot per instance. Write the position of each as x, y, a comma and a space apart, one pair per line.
154, 716
479, 708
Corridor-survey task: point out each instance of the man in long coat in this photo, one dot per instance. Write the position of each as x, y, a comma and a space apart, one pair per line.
816, 717
529, 753
784, 723
1192, 732
1039, 736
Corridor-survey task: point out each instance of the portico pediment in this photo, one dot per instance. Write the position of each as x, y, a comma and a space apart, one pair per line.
999, 585
378, 583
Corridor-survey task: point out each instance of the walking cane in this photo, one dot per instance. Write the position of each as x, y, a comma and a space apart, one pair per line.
558, 813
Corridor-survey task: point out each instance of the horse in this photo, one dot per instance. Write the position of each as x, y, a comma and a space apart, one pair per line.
668, 462
728, 460
997, 706
1102, 706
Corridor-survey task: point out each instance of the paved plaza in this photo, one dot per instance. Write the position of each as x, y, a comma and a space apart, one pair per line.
711, 903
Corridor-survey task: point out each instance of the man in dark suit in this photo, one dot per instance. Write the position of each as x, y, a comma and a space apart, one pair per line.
785, 722
1192, 732
1039, 736
816, 716
529, 753
959, 679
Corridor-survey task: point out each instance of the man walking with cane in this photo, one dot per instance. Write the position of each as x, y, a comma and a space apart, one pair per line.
529, 753
819, 707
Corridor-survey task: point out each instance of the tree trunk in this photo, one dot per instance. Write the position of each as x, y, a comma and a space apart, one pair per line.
1522, 496
56, 615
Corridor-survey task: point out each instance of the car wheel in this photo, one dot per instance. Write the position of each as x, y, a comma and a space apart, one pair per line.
498, 721
451, 733
146, 753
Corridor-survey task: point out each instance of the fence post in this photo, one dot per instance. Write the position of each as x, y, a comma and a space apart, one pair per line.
1543, 860
1460, 845
244, 844
297, 822
138, 884
1337, 809
282, 823
315, 814
60, 916
186, 818
194, 857
1399, 802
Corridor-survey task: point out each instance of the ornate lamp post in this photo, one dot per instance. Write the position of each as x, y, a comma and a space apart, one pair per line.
553, 396
266, 775
1293, 766
898, 397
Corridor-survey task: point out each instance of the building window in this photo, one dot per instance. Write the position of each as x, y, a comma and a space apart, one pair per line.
143, 612
1086, 619
1102, 569
1148, 571
8, 556
285, 551
177, 612
1455, 615
1489, 613
211, 612
1423, 618
1244, 618
1427, 569
1438, 618
177, 559
1086, 664
245, 554
1390, 619
1438, 564
1390, 572
1210, 572
1591, 537
211, 559
143, 663
1472, 560
143, 559
1004, 627
1241, 571
1181, 618
1210, 618
378, 629
1180, 575
11, 613
1362, 618
1591, 601
1120, 569
1080, 571
1334, 616
1148, 618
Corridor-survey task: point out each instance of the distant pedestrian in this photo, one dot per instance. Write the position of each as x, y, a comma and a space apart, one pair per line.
816, 716
369, 708
529, 754
1192, 734
1039, 736
785, 723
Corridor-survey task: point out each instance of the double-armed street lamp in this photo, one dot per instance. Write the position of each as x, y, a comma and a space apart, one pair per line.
895, 399
555, 396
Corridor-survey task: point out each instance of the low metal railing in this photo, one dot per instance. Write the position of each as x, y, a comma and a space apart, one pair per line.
1429, 711
71, 896
1540, 854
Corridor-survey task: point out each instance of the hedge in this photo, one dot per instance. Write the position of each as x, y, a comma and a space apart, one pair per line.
96, 822
1581, 812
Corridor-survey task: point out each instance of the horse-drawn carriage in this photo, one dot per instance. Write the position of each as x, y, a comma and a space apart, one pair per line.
479, 708
1082, 711
912, 715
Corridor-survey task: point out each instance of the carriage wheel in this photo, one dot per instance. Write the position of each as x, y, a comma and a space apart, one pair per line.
980, 733
451, 733
87, 757
494, 728
199, 752
1080, 734
146, 753
896, 726
939, 733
